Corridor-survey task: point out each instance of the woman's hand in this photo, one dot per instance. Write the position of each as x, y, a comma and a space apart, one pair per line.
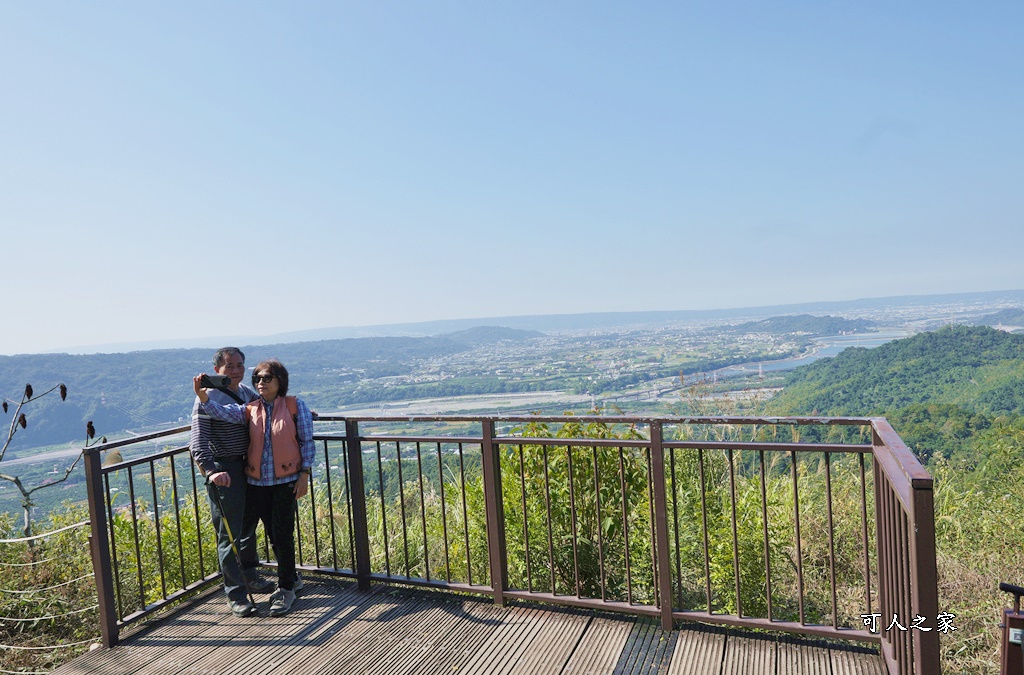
198, 387
301, 486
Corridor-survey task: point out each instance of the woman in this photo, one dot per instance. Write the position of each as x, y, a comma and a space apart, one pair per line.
278, 465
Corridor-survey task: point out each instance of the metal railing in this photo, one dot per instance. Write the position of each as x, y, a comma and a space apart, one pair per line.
803, 525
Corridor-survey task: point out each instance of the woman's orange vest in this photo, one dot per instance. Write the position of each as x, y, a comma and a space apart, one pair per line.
284, 439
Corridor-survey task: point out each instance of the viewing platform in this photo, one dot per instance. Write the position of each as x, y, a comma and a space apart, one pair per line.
336, 628
540, 544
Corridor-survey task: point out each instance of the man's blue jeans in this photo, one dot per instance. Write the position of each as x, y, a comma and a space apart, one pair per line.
242, 527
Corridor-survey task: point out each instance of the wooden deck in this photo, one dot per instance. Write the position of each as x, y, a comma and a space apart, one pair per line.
335, 628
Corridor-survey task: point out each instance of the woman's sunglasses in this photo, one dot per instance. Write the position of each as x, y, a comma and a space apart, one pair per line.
262, 378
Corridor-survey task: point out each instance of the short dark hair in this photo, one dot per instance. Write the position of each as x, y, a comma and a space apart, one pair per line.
275, 368
223, 353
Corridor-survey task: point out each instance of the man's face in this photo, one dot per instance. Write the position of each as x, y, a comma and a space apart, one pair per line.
233, 367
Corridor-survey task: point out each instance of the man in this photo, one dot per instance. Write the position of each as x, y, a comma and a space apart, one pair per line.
219, 449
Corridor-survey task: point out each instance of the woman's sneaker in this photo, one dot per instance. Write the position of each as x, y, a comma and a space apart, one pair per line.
297, 586
281, 602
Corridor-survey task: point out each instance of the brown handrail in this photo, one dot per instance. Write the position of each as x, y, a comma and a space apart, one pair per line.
638, 478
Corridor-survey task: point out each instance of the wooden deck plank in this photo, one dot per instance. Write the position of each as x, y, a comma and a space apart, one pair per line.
802, 656
856, 661
453, 655
553, 645
336, 628
749, 656
698, 651
507, 642
599, 647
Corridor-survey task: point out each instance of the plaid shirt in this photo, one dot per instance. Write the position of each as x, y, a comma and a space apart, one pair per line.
235, 414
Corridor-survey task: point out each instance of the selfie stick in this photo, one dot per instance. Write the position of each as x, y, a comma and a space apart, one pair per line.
231, 540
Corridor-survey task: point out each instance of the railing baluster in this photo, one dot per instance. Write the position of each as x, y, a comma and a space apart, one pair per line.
675, 525
547, 505
199, 529
625, 529
767, 546
135, 530
177, 522
423, 512
465, 517
600, 533
401, 506
735, 538
156, 523
704, 520
864, 532
652, 526
526, 522
572, 513
383, 513
444, 514
330, 506
315, 520
113, 549
349, 497
831, 539
796, 526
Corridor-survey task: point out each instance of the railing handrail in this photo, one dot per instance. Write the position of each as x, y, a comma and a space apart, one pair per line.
611, 419
897, 471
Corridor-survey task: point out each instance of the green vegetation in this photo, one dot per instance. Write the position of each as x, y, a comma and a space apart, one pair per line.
1005, 317
953, 395
956, 396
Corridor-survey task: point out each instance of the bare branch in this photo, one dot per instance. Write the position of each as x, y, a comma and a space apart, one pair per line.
67, 472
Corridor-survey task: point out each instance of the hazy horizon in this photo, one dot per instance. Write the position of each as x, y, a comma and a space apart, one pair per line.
439, 326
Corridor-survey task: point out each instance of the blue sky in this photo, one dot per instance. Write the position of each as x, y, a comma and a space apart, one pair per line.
185, 169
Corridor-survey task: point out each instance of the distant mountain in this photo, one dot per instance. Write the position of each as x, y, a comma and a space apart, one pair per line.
553, 323
976, 368
142, 389
806, 324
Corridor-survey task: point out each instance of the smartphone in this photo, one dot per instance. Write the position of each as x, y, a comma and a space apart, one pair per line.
215, 381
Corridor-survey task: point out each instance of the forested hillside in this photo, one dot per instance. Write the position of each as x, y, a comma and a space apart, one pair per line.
938, 389
807, 324
139, 389
1005, 317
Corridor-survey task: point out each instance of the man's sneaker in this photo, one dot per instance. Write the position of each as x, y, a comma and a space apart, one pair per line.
281, 602
257, 583
244, 608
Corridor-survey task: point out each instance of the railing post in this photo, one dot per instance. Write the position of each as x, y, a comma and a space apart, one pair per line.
360, 531
925, 580
661, 525
491, 455
99, 546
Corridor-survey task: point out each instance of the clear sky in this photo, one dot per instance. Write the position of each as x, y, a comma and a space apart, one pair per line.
173, 170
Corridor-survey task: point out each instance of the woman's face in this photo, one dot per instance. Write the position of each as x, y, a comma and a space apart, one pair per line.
267, 385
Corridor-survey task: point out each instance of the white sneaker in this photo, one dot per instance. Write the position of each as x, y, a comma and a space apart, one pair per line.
281, 602
297, 586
